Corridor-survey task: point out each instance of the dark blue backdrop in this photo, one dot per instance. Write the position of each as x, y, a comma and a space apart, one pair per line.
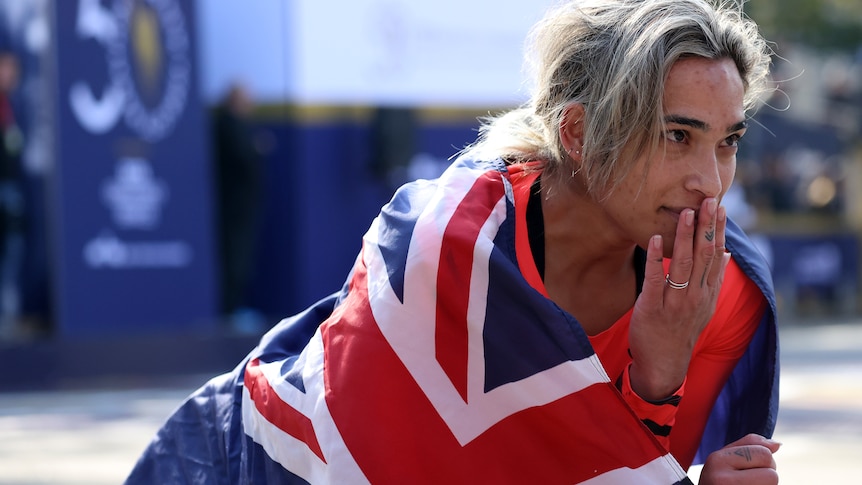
322, 192
130, 197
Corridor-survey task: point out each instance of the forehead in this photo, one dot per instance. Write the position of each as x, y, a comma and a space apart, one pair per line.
705, 88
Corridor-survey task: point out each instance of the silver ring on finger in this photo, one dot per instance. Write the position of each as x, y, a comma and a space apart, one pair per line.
673, 284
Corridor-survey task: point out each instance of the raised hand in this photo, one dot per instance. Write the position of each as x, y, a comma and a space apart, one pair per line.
674, 307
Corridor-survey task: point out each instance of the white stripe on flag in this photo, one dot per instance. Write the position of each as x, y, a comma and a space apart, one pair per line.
294, 455
663, 470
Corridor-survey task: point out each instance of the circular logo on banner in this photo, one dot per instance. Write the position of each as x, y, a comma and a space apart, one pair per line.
150, 61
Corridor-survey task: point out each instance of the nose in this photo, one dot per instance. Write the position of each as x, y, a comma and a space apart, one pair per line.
705, 175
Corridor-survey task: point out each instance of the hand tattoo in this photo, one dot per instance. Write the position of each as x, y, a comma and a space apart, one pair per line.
710, 235
743, 452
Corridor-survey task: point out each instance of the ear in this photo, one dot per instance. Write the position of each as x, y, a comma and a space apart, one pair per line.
572, 128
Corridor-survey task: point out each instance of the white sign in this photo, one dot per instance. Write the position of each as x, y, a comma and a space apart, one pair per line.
446, 52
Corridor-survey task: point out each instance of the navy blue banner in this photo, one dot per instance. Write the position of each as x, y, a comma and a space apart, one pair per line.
132, 204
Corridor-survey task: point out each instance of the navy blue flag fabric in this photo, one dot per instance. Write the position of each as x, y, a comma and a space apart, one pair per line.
438, 363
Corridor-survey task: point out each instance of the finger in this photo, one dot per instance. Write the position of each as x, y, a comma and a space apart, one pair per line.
719, 262
681, 261
750, 456
654, 283
756, 439
704, 243
720, 226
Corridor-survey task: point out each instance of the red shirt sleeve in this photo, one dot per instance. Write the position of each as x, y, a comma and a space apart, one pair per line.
723, 342
659, 417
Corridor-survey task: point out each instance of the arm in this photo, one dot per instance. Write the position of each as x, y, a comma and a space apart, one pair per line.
739, 311
675, 322
666, 322
678, 421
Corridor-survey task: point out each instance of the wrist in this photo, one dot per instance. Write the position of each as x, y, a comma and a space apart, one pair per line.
656, 387
658, 416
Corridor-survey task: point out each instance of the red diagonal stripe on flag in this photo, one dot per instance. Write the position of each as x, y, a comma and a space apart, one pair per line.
453, 276
278, 412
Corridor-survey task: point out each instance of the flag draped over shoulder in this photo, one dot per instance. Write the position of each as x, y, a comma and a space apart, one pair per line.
437, 363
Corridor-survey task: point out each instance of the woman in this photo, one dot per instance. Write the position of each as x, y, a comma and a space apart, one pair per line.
568, 303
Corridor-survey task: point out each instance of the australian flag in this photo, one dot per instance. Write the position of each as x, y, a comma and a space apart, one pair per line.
436, 363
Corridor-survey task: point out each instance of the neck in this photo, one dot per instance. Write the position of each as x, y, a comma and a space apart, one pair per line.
579, 235
588, 260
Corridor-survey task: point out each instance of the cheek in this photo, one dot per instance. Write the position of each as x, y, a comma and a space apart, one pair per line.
727, 175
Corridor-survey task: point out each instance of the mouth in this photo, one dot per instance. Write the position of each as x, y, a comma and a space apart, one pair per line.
676, 212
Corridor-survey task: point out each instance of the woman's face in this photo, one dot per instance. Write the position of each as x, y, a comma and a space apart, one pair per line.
696, 159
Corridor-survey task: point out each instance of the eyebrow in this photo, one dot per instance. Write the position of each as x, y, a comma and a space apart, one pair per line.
701, 125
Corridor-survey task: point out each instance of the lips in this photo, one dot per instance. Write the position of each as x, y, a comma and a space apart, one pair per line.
676, 212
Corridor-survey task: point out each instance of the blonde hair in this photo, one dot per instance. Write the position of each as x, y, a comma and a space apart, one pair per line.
612, 57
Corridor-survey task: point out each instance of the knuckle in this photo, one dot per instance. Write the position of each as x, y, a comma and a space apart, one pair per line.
762, 453
685, 263
657, 279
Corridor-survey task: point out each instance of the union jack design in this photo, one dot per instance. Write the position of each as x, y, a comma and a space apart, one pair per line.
440, 364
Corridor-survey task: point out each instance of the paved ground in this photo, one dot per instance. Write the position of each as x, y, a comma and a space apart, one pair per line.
93, 437
820, 420
78, 437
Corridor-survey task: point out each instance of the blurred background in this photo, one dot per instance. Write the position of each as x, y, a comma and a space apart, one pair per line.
178, 175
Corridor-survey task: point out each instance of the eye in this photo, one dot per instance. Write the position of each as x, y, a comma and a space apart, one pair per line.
676, 136
732, 140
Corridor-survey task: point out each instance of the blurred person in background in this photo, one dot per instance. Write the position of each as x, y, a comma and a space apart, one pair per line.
238, 191
568, 302
11, 197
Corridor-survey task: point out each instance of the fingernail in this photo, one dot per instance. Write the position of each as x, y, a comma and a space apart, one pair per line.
689, 217
711, 206
722, 213
656, 241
